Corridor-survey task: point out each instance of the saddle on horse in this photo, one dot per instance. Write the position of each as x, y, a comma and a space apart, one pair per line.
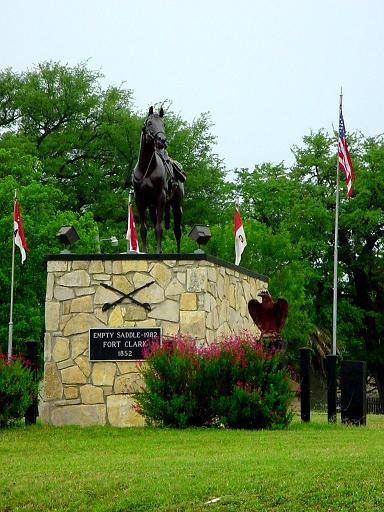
174, 170
178, 171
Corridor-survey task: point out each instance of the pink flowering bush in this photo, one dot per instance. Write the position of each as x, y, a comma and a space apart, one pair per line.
17, 389
237, 382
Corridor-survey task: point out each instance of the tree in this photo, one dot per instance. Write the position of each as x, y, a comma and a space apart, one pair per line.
87, 140
273, 205
360, 301
289, 222
9, 85
361, 256
43, 209
84, 136
207, 194
69, 146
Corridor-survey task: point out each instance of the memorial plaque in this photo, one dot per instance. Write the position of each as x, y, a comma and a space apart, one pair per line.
122, 344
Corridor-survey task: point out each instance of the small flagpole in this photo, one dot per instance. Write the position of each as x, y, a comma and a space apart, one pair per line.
335, 248
10, 325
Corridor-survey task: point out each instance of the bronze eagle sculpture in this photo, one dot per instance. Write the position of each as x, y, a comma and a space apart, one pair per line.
268, 315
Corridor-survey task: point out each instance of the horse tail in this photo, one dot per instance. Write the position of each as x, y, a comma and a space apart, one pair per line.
167, 215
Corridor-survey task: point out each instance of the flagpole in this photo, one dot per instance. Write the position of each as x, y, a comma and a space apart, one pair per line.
335, 248
10, 325
129, 207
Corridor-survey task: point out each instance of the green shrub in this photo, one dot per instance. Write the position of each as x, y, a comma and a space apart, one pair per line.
237, 383
17, 389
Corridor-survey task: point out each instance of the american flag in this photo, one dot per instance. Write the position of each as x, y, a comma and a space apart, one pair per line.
345, 162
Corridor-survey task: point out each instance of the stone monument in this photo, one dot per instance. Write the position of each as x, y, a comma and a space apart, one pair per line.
193, 295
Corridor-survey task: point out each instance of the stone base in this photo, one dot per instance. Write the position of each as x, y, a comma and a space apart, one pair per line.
191, 295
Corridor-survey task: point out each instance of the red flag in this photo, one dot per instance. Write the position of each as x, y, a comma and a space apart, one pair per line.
20, 240
131, 233
345, 162
240, 240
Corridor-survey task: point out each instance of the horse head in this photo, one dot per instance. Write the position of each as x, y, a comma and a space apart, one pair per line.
153, 129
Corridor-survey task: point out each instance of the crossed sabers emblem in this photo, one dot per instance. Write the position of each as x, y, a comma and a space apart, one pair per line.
109, 305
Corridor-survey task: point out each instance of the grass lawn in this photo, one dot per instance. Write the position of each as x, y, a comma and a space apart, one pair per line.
311, 467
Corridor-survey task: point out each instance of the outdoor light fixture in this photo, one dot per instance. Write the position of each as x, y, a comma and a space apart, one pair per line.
114, 241
200, 234
68, 236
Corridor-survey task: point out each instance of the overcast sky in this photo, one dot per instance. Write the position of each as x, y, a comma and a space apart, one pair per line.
268, 71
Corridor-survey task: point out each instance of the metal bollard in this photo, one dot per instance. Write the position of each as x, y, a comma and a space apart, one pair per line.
331, 387
305, 383
31, 354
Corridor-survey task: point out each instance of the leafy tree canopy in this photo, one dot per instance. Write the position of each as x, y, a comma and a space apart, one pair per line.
69, 145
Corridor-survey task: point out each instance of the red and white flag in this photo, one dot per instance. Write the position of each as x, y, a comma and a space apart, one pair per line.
20, 240
131, 232
345, 162
240, 240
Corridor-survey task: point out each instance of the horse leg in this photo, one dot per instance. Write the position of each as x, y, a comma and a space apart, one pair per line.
159, 220
143, 226
177, 210
177, 214
167, 215
143, 233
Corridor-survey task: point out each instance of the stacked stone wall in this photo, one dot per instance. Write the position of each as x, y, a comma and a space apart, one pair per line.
202, 298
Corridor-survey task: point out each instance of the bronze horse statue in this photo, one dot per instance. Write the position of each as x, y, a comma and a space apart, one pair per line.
158, 182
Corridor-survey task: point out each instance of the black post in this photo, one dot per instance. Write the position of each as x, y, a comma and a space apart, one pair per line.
305, 383
331, 387
31, 354
353, 382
